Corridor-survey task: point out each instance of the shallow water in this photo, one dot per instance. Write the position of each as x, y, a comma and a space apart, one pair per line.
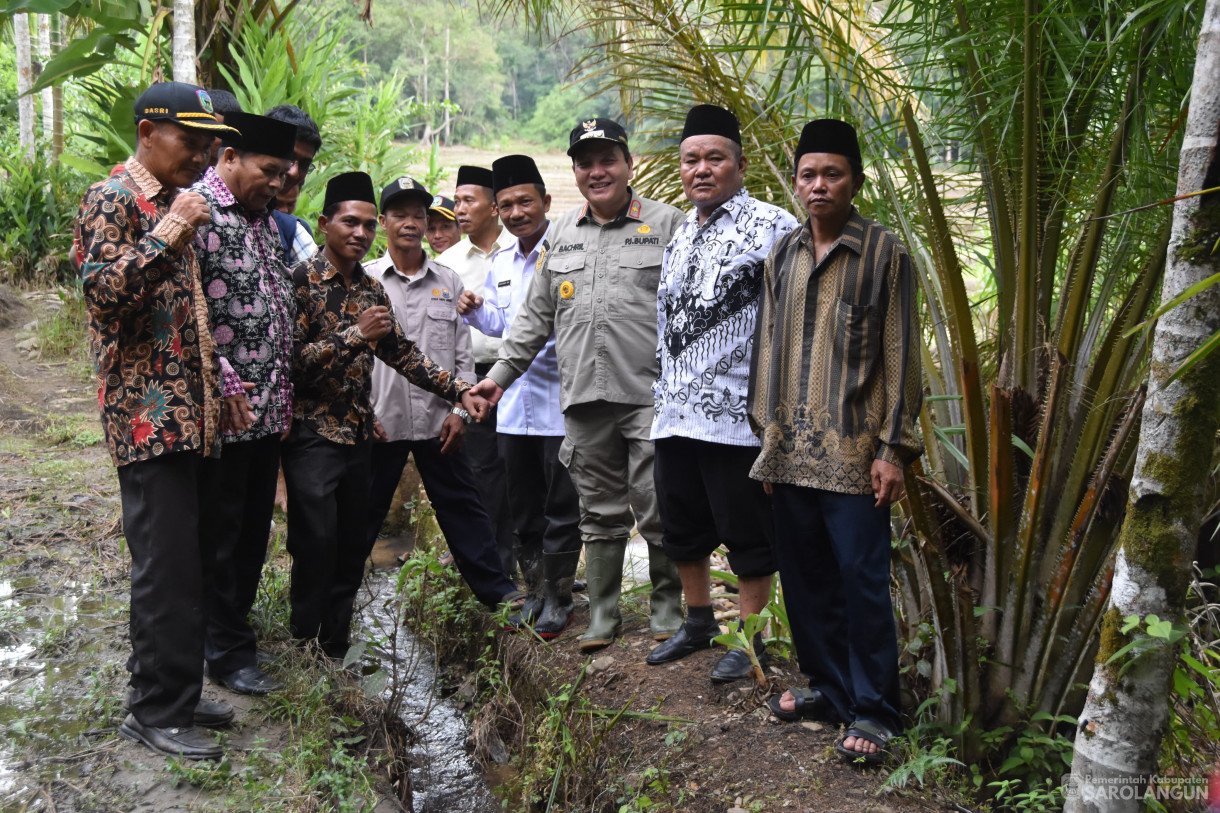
446, 778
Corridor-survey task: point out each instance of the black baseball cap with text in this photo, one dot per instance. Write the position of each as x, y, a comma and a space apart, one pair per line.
596, 130
186, 105
405, 188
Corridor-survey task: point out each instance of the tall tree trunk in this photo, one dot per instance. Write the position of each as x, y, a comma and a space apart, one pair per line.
57, 93
184, 41
44, 56
1126, 714
25, 81
445, 126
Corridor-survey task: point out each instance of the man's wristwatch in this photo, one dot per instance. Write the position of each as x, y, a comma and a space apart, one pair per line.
461, 413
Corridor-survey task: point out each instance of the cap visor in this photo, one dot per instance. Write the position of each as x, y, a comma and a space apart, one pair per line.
443, 212
212, 126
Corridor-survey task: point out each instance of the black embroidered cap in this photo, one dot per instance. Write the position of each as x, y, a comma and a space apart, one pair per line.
514, 170
444, 207
828, 135
596, 130
473, 176
405, 187
349, 186
188, 105
261, 135
708, 119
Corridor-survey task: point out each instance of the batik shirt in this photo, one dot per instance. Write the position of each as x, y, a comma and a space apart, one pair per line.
157, 373
707, 304
333, 362
835, 382
250, 302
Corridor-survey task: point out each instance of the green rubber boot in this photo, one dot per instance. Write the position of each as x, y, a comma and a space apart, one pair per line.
665, 602
604, 572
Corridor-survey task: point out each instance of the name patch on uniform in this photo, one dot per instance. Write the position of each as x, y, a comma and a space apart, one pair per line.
504, 283
570, 247
566, 289
642, 241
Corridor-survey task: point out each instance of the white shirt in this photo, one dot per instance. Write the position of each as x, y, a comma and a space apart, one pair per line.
707, 306
472, 264
530, 405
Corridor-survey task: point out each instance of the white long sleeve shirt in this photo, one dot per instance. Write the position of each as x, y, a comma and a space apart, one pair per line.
472, 264
530, 405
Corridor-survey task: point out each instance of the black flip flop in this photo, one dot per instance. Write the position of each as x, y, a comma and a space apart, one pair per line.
809, 705
875, 733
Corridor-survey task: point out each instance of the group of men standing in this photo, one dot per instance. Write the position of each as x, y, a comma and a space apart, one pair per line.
729, 377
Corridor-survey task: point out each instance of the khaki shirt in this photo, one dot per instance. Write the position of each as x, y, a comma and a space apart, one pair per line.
472, 264
597, 290
427, 310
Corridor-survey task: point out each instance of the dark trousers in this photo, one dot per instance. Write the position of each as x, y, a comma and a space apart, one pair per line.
328, 498
171, 565
459, 511
543, 502
238, 523
483, 451
833, 552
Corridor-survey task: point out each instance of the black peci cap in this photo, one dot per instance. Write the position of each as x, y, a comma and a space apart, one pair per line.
514, 170
473, 176
444, 207
596, 130
405, 188
708, 119
261, 135
828, 135
349, 186
187, 105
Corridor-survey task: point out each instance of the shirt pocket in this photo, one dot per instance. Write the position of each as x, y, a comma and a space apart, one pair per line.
570, 289
856, 341
439, 326
639, 278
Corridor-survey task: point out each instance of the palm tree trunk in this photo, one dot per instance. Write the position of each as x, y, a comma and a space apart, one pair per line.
1126, 715
184, 41
44, 56
25, 81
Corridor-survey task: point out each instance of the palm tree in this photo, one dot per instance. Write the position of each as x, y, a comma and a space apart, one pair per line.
1059, 118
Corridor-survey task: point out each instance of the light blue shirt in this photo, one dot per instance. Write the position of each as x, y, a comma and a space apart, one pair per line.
530, 405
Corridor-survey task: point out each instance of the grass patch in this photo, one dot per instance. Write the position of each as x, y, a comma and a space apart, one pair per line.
62, 332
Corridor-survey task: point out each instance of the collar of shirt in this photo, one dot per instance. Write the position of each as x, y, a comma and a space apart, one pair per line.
149, 186
540, 246
384, 267
730, 207
224, 195
632, 211
851, 236
501, 242
323, 266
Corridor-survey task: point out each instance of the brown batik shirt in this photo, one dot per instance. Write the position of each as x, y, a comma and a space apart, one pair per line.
158, 377
333, 362
835, 382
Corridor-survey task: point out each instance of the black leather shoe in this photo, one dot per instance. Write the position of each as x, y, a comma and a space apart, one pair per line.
185, 743
213, 713
250, 680
679, 645
735, 665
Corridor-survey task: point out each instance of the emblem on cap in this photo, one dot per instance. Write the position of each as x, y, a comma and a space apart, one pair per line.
205, 101
404, 182
437, 201
590, 124
566, 289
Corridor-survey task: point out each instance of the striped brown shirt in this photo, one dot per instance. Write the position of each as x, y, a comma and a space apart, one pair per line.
835, 381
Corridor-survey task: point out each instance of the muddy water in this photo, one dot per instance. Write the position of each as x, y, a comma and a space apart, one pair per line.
47, 635
446, 778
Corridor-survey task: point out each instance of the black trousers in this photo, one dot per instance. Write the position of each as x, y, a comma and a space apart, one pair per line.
328, 498
459, 511
171, 563
834, 562
545, 508
483, 451
238, 523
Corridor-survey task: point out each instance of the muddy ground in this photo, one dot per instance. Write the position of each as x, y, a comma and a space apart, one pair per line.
63, 606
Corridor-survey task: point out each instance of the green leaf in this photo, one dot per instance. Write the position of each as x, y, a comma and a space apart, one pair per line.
39, 6
91, 168
80, 58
